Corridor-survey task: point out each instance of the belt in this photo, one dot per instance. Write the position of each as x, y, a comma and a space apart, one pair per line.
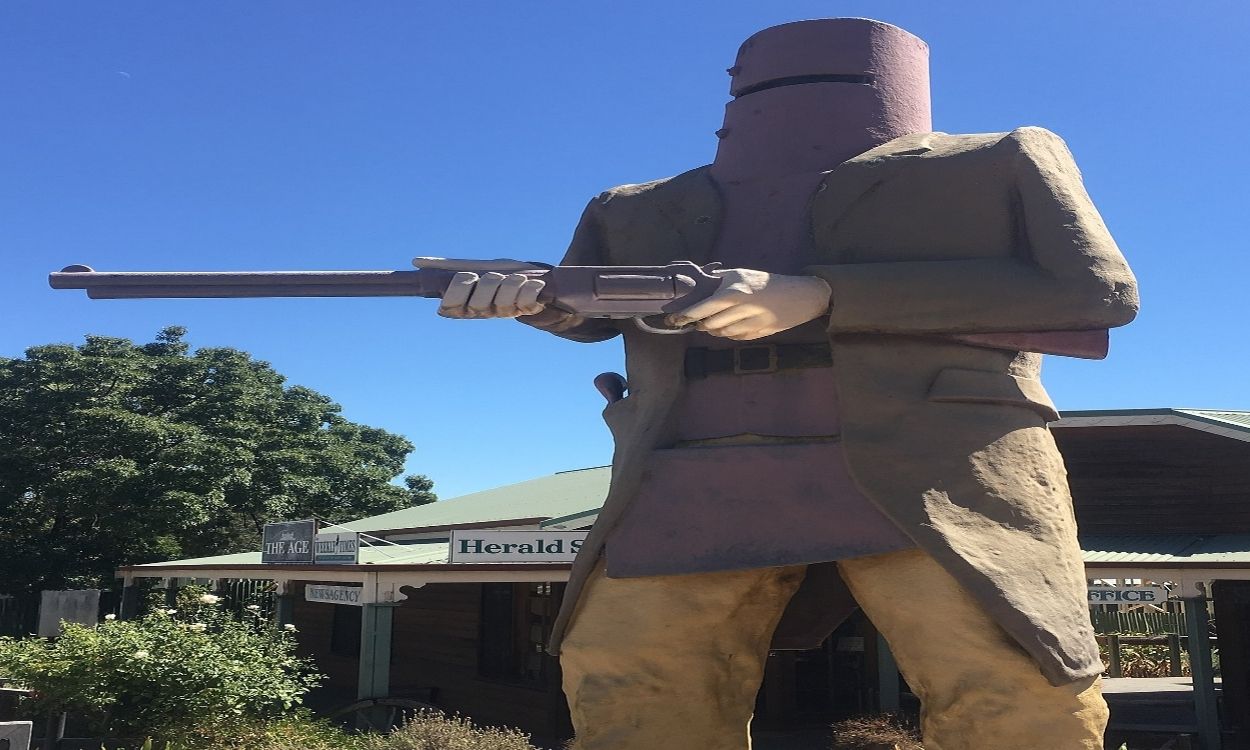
755, 359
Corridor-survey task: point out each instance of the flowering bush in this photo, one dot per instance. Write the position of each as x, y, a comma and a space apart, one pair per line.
430, 731
300, 731
173, 674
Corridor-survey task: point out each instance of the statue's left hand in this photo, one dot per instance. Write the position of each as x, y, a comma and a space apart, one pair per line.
752, 304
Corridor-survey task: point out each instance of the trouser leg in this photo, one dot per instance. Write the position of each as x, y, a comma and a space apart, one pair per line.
978, 689
671, 662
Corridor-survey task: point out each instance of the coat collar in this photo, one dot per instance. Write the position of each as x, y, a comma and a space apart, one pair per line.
854, 178
691, 202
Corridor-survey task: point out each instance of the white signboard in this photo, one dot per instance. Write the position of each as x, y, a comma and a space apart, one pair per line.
1125, 595
70, 606
536, 545
337, 548
334, 594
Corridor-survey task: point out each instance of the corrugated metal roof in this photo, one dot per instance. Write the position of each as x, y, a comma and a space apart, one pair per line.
562, 494
569, 493
422, 553
1223, 422
1237, 418
1186, 549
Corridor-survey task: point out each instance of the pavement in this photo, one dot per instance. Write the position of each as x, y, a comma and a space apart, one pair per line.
1161, 703
1146, 705
798, 739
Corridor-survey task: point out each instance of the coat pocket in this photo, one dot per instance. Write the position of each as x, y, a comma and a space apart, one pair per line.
983, 387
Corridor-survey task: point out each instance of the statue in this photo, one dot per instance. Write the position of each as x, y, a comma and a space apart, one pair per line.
851, 429
880, 434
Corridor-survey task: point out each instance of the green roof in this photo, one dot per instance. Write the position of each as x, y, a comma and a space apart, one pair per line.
559, 496
1238, 418
421, 553
1186, 549
564, 494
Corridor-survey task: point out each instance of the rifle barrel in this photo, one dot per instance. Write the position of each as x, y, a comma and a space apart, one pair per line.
144, 285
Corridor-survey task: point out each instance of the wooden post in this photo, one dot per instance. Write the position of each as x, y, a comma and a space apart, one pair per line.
129, 609
1203, 673
888, 701
375, 650
1231, 601
1114, 668
283, 605
55, 731
171, 593
779, 686
284, 610
1174, 654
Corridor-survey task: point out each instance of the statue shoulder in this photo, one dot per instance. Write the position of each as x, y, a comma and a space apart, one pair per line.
656, 222
1027, 139
639, 195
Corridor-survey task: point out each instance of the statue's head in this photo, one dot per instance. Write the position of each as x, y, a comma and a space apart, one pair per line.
859, 82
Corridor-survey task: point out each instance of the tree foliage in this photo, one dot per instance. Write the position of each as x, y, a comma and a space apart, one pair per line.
114, 453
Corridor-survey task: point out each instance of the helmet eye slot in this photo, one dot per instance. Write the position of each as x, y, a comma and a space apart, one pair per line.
863, 79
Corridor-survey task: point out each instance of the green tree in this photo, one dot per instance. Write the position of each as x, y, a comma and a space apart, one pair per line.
114, 453
173, 674
420, 489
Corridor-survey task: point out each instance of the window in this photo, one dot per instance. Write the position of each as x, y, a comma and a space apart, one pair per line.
345, 632
516, 622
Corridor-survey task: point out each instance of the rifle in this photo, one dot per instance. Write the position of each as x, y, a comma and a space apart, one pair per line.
644, 293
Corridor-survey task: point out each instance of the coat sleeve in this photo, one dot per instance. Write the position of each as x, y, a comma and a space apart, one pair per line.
1066, 272
586, 249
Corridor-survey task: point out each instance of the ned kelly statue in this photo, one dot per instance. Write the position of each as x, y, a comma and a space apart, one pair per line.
840, 406
853, 416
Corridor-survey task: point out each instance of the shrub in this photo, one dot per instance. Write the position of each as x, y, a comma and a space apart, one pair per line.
430, 731
174, 674
297, 731
875, 733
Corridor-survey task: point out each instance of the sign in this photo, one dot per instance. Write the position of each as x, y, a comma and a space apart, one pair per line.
349, 595
15, 735
82, 607
1125, 595
288, 542
536, 545
337, 548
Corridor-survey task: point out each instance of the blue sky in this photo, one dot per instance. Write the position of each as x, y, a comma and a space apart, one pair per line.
285, 135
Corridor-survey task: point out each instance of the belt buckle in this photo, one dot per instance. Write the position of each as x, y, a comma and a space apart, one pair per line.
755, 360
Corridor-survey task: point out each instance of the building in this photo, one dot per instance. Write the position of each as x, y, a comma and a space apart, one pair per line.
1161, 495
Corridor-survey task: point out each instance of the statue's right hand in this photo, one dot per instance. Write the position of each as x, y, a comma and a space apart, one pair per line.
493, 294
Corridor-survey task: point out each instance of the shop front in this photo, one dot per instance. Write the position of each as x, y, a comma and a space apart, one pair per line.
452, 603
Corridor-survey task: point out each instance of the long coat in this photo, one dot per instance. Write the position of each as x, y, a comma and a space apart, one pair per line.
927, 234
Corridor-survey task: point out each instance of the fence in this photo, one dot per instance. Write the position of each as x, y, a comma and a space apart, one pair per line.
1109, 619
1146, 641
19, 614
238, 594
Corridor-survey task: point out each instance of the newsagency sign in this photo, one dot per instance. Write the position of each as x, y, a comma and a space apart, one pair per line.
288, 542
349, 595
536, 546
